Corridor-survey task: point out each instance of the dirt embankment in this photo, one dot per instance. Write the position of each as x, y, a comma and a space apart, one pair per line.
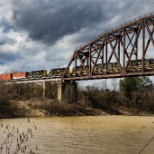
46, 108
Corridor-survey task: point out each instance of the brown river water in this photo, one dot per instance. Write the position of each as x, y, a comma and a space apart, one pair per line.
89, 134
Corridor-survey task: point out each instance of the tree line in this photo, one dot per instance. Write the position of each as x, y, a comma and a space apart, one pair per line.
133, 93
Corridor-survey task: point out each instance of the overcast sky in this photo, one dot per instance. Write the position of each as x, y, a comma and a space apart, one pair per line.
42, 34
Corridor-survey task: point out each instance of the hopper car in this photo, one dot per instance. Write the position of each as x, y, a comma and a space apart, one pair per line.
110, 68
80, 71
57, 72
37, 74
137, 65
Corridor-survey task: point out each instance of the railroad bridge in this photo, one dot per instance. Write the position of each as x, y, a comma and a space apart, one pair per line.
123, 51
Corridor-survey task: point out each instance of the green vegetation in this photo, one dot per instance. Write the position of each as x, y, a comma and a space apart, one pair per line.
133, 95
130, 85
138, 92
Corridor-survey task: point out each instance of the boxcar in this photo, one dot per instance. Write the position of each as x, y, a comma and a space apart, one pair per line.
19, 75
6, 76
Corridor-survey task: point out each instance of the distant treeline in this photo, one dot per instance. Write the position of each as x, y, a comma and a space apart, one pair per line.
135, 93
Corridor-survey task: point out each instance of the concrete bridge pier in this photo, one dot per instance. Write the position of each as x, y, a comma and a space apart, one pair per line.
60, 90
44, 89
67, 92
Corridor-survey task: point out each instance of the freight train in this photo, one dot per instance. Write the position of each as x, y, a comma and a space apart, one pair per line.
100, 69
32, 75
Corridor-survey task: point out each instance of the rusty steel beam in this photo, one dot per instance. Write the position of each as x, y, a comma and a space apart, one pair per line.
115, 53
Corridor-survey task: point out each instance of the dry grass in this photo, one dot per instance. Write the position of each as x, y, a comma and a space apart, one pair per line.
38, 108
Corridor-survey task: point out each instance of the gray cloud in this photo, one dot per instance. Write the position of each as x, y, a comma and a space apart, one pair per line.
48, 21
4, 40
5, 25
8, 58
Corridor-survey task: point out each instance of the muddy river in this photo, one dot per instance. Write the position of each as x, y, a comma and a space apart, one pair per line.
87, 134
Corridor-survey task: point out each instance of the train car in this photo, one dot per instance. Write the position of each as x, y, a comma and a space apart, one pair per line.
84, 72
137, 65
79, 70
113, 68
56, 72
19, 75
149, 64
99, 69
37, 74
6, 76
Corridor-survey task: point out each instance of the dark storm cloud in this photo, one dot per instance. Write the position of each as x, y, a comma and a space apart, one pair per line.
115, 12
48, 21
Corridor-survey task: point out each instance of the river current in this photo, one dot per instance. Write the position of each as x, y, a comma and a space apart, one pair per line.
89, 134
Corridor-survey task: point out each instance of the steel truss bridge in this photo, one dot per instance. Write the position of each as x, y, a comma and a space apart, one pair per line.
125, 50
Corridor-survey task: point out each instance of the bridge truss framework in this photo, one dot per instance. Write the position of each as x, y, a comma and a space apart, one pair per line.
110, 54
